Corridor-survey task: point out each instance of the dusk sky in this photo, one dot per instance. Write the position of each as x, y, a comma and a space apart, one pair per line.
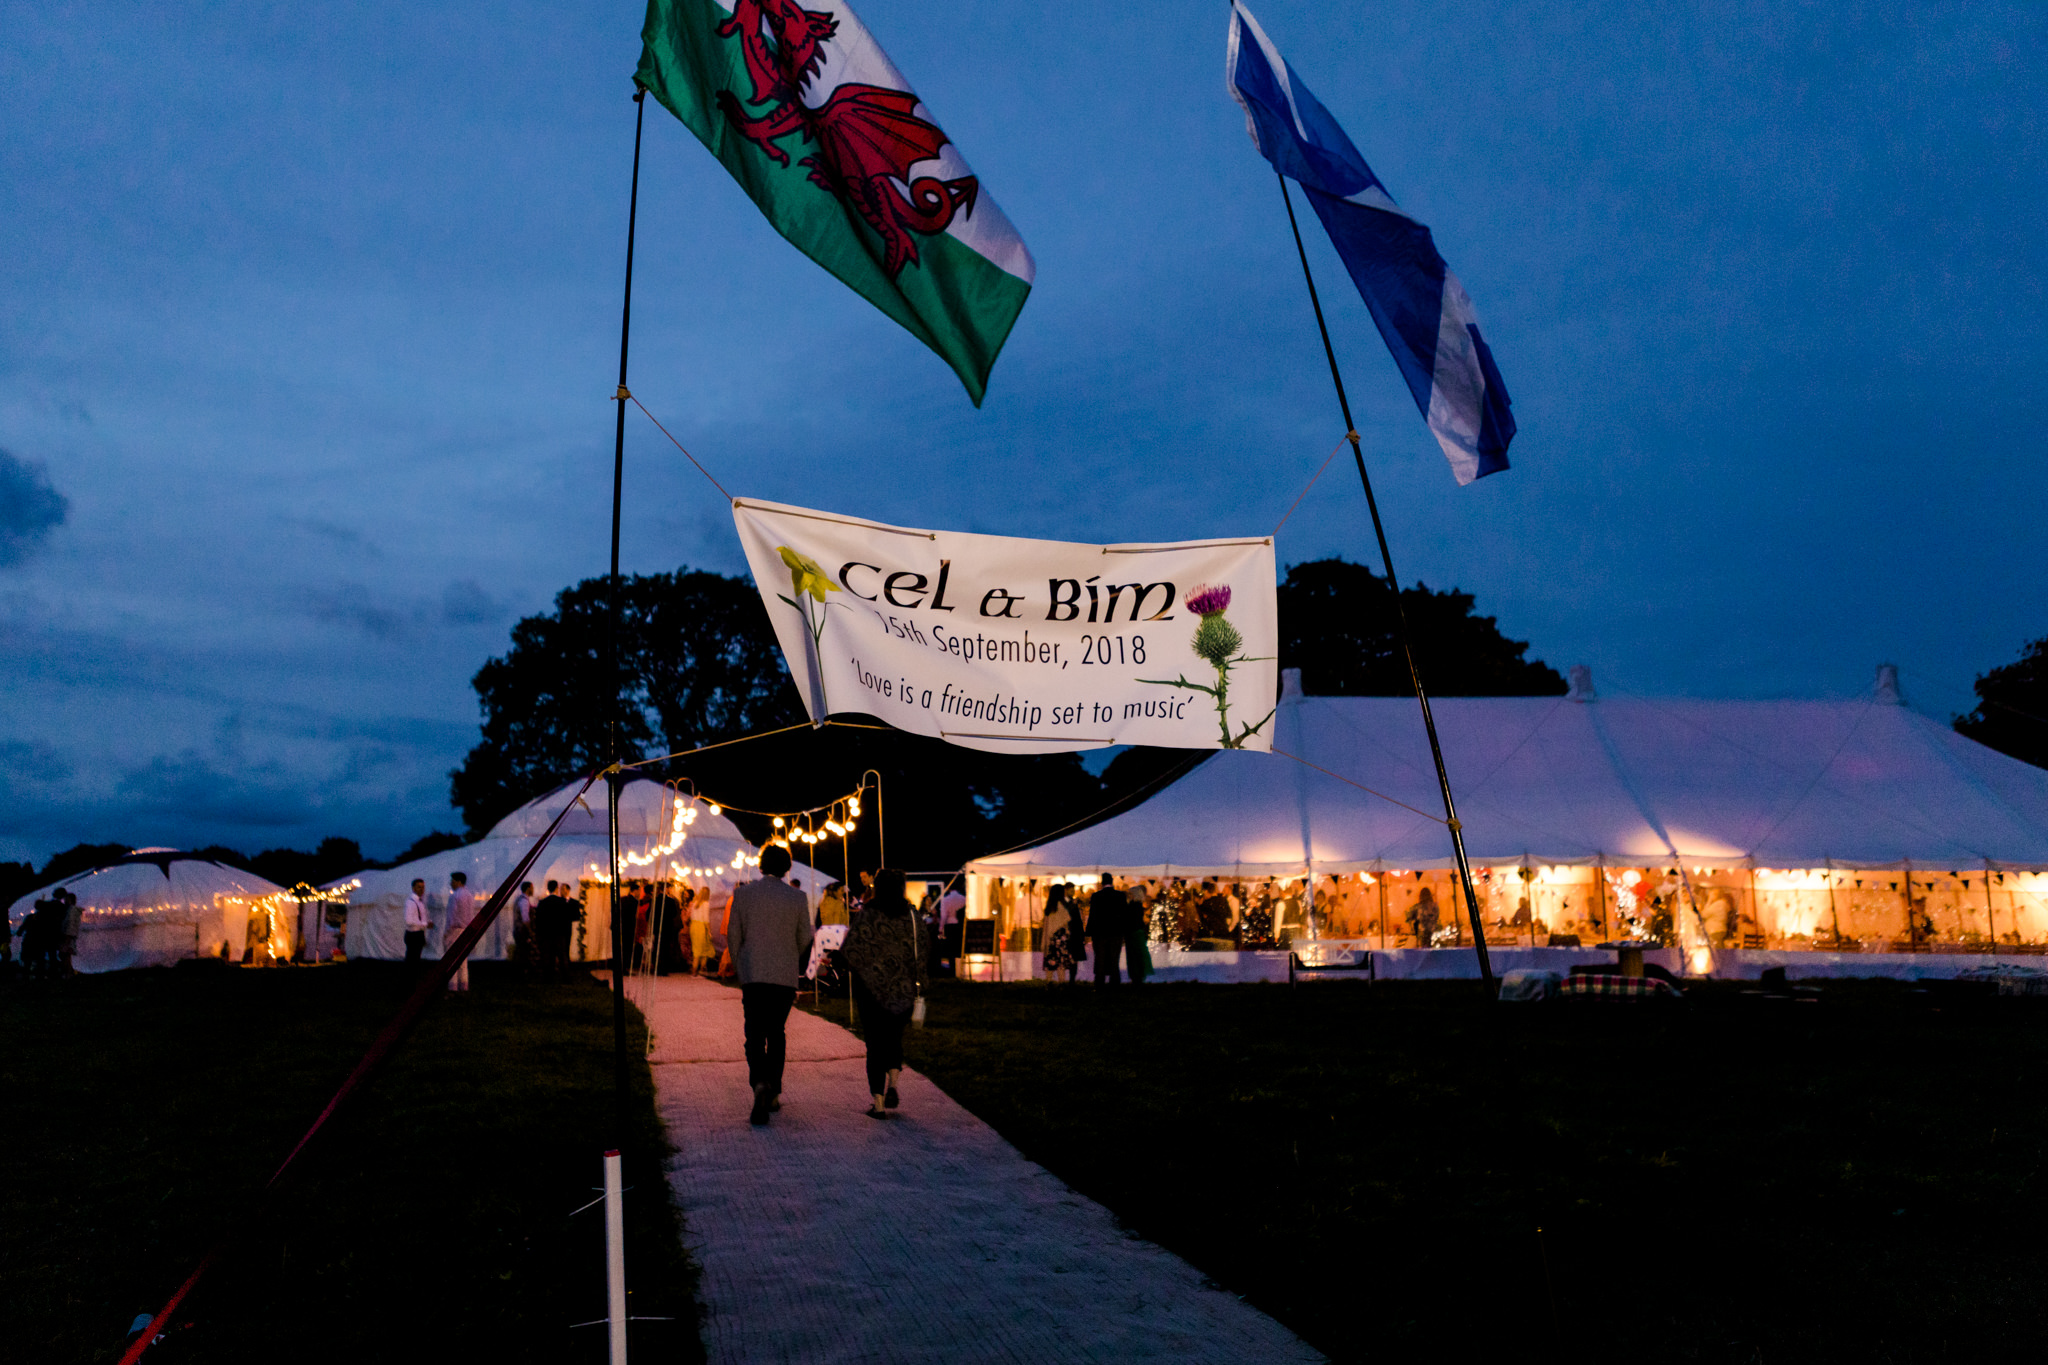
311, 322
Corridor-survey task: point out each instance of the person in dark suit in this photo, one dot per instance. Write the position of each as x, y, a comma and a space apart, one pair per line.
770, 940
1109, 916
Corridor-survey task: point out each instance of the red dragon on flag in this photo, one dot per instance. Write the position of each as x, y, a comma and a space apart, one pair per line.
868, 137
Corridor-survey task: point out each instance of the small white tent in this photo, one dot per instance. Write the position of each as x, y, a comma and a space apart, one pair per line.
156, 906
665, 836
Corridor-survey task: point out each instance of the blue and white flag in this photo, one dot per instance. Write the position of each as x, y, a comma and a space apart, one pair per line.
1422, 311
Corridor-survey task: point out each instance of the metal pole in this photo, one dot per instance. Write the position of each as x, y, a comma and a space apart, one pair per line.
615, 1256
614, 1210
1443, 777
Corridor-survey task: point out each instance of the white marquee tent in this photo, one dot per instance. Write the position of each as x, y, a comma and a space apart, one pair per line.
1849, 828
157, 906
1579, 779
664, 835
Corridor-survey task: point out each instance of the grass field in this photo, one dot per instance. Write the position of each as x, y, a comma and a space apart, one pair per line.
141, 1111
1731, 1179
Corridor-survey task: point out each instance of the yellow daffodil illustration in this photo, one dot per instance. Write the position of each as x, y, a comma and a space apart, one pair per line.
804, 575
809, 583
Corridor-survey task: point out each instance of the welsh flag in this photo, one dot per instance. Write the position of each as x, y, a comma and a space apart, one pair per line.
807, 112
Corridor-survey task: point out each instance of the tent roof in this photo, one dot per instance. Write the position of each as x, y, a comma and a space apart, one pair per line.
1628, 780
646, 810
152, 880
660, 829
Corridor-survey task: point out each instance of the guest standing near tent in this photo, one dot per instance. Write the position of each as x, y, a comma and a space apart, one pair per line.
1109, 913
416, 921
522, 928
1062, 933
461, 910
1138, 933
701, 956
771, 941
885, 949
552, 920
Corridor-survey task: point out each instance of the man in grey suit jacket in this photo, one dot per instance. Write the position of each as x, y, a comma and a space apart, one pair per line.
770, 939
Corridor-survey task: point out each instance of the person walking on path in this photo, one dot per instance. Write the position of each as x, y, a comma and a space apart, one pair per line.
770, 935
886, 951
461, 910
1109, 914
416, 921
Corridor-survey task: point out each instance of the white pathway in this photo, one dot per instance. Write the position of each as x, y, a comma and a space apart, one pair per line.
828, 1236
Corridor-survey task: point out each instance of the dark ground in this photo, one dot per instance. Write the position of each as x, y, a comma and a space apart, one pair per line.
141, 1111
1730, 1179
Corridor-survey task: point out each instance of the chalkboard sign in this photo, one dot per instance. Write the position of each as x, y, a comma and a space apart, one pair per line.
978, 937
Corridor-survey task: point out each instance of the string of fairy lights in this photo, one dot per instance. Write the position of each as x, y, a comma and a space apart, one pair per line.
804, 827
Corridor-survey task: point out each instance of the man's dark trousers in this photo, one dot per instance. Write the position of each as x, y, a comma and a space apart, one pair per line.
766, 1009
1108, 954
415, 944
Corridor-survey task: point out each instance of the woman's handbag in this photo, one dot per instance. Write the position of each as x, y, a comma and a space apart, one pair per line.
917, 1004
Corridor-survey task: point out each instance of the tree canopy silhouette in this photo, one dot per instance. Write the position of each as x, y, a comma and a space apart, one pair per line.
2012, 707
1337, 625
700, 664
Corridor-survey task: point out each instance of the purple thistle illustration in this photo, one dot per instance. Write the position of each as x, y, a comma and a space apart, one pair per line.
1218, 642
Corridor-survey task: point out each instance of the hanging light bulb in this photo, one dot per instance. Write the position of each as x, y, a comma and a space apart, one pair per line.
778, 822
712, 806
849, 826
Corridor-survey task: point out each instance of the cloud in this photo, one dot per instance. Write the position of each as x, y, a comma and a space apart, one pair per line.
465, 603
191, 787
351, 605
29, 507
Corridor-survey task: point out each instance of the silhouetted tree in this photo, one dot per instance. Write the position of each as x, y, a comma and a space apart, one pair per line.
701, 664
331, 861
1337, 625
2012, 707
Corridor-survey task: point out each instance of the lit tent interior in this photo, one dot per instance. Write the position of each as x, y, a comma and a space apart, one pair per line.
157, 906
666, 837
1769, 826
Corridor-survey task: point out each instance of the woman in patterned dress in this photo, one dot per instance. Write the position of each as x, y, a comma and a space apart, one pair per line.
1062, 934
886, 951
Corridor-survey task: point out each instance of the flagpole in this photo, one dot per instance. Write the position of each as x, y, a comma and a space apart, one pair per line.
1443, 777
621, 1083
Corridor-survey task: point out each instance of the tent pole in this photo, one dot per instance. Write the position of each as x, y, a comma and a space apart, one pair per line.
621, 1084
1990, 920
1834, 915
1436, 751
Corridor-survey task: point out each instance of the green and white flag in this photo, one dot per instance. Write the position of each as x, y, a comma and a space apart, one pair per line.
824, 134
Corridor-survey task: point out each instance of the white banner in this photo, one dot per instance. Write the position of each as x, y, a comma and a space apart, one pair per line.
1021, 646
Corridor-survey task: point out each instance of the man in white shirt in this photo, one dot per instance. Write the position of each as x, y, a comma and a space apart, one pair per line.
461, 910
952, 907
522, 927
416, 922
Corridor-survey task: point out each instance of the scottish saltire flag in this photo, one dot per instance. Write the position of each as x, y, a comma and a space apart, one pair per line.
1422, 311
806, 111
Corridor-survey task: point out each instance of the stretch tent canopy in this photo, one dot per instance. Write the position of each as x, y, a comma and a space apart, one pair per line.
158, 906
664, 835
1578, 779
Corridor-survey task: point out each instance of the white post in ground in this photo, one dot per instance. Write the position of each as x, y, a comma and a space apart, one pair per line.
615, 1255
